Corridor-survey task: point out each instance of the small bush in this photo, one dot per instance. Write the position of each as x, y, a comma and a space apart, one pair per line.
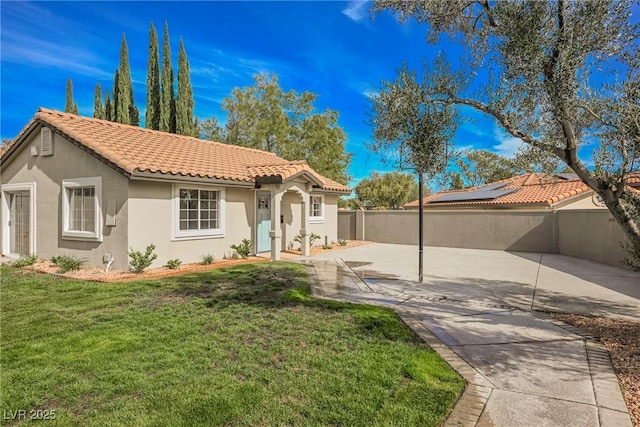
243, 249
312, 238
67, 263
342, 242
25, 261
207, 259
140, 261
172, 264
327, 247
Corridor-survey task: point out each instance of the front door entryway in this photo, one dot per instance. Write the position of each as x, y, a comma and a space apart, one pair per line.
263, 219
19, 222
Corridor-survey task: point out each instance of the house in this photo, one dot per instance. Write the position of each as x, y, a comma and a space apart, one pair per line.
91, 188
529, 191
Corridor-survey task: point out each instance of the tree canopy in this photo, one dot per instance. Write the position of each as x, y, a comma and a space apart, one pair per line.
411, 130
480, 167
563, 76
265, 117
387, 191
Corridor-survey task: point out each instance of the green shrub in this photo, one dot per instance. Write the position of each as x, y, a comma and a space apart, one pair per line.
312, 238
25, 261
243, 249
140, 261
67, 263
172, 264
342, 242
207, 259
327, 247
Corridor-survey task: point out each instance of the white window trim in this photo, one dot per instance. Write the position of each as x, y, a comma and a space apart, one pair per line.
6, 233
316, 219
96, 182
216, 233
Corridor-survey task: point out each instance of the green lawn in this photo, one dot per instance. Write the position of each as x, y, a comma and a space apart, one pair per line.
244, 345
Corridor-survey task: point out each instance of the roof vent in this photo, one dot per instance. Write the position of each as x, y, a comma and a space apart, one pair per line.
46, 141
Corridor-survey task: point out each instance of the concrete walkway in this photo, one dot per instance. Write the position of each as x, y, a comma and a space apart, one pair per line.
522, 367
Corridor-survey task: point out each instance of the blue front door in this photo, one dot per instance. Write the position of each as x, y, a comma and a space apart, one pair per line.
263, 218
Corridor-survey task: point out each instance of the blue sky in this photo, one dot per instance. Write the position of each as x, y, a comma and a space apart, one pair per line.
331, 48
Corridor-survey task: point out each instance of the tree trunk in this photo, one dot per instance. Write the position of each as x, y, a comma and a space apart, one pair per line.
623, 217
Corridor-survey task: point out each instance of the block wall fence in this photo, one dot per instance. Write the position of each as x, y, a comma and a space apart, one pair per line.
588, 234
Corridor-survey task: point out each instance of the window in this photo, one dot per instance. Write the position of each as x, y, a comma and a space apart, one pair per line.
316, 208
81, 212
199, 212
82, 201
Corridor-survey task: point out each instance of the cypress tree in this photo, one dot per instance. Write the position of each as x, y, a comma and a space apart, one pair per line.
152, 115
124, 92
167, 101
107, 107
114, 100
98, 109
69, 105
134, 114
184, 101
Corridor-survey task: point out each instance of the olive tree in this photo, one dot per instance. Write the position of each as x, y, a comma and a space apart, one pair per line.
560, 75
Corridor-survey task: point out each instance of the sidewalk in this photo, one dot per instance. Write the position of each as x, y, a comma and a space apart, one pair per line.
522, 369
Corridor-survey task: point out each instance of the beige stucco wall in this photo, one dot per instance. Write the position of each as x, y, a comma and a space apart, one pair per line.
582, 202
347, 225
69, 162
591, 234
583, 233
291, 211
503, 230
151, 216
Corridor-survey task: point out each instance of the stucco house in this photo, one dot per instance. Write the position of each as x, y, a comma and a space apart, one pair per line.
90, 188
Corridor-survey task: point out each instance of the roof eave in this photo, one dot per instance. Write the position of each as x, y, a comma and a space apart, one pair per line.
24, 134
138, 175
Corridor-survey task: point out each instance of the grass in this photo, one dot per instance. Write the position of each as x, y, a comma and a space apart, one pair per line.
246, 345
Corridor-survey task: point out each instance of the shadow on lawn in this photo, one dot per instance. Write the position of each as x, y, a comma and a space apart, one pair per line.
275, 286
247, 284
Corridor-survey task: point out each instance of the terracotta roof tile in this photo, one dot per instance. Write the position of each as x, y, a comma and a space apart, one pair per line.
135, 149
530, 189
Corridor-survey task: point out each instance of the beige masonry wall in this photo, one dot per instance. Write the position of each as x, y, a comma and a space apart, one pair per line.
589, 234
47, 172
151, 219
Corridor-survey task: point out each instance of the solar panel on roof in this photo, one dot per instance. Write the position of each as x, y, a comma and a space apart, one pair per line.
489, 192
568, 176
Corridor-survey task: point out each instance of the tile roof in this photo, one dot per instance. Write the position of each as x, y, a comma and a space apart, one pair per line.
530, 189
137, 150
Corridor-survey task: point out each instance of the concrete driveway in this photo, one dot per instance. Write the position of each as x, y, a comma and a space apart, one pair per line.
522, 367
520, 279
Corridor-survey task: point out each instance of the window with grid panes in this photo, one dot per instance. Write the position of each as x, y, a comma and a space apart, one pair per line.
199, 209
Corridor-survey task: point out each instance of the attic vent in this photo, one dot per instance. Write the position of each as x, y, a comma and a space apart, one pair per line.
46, 139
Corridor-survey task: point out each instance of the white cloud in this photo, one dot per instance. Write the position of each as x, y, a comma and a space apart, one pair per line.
507, 144
356, 10
39, 52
